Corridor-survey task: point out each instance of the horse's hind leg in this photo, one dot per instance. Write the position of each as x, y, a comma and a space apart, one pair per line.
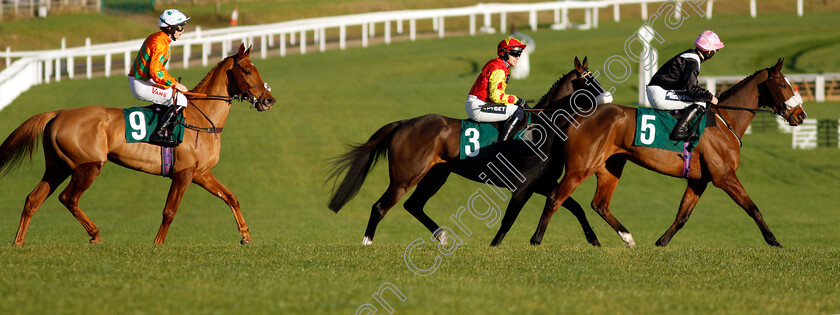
53, 177
209, 182
426, 188
732, 186
381, 207
513, 208
692, 194
83, 176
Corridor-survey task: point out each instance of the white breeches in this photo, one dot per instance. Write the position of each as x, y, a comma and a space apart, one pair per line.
669, 99
479, 111
146, 90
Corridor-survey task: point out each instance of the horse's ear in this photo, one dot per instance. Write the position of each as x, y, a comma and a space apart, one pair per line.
779, 64
242, 51
577, 63
585, 62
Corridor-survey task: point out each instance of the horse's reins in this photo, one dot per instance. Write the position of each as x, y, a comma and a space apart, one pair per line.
229, 99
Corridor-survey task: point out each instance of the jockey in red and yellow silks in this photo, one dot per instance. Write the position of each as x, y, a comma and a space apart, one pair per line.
491, 83
487, 101
149, 81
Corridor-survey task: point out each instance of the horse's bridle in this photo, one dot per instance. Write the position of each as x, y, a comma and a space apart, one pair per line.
240, 82
245, 89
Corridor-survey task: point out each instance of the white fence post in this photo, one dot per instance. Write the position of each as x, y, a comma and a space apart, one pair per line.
127, 61
108, 65
709, 6
187, 53
88, 61
387, 32
322, 43
799, 8
8, 56
282, 44
364, 35
342, 37
532, 19
752, 8
303, 42
412, 29
441, 27
472, 29
819, 88
644, 11
616, 13
503, 22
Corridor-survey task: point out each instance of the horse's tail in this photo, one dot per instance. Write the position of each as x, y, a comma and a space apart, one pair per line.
22, 141
357, 163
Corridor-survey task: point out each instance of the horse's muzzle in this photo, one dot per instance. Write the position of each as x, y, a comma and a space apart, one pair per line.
266, 103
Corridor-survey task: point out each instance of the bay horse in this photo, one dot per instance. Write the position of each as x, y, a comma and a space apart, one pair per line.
424, 150
77, 143
603, 142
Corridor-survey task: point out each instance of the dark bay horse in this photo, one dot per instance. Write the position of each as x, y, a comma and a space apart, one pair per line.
423, 151
77, 143
603, 142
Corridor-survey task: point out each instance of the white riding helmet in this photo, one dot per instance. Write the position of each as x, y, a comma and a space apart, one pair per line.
172, 17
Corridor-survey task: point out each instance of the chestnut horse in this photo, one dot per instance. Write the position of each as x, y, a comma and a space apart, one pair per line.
603, 142
77, 143
423, 151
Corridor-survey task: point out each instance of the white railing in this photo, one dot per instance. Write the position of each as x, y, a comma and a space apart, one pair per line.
811, 86
35, 67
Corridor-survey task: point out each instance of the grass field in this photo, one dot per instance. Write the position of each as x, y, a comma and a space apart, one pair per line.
306, 259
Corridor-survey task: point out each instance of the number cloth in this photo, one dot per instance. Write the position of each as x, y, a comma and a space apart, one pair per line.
140, 122
654, 126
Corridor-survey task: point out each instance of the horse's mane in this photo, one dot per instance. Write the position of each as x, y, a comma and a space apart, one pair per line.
207, 77
551, 91
738, 85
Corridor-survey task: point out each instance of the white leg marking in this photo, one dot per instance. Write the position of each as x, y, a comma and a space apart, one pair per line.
367, 241
627, 238
442, 237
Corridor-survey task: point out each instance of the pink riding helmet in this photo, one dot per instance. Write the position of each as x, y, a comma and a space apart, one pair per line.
708, 41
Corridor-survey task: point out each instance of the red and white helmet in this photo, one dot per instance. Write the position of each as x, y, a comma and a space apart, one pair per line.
509, 44
708, 41
172, 17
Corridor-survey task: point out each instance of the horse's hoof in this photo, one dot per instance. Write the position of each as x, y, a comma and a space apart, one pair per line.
245, 242
535, 242
96, 240
367, 240
596, 243
16, 244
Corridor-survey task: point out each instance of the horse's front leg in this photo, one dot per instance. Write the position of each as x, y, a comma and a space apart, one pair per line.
209, 182
692, 194
514, 207
732, 186
180, 182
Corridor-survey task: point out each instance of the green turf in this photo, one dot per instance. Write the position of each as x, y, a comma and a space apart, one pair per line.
307, 259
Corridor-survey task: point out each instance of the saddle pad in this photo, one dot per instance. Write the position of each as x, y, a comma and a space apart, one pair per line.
140, 122
477, 139
653, 127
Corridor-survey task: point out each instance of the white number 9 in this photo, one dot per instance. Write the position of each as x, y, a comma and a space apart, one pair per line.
138, 124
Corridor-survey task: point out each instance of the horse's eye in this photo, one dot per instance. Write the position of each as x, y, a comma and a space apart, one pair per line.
247, 71
783, 85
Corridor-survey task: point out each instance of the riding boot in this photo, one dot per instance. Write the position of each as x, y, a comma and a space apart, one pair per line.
164, 135
510, 125
681, 131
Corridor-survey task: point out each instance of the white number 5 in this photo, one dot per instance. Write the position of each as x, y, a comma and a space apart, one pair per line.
647, 138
